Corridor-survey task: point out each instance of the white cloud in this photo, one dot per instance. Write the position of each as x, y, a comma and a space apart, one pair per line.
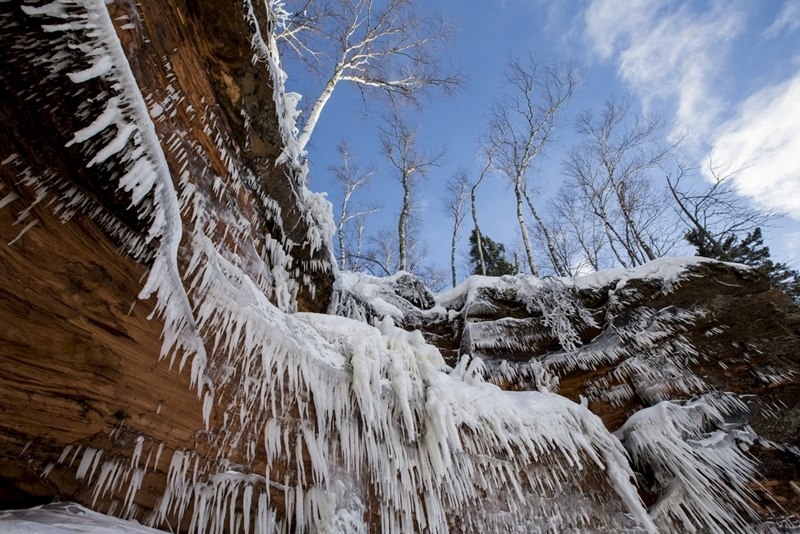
788, 19
667, 52
764, 137
790, 247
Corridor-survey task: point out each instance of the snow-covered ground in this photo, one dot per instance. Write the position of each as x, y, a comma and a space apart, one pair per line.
66, 518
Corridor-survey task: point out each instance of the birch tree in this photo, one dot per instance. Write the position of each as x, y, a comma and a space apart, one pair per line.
409, 164
454, 206
615, 168
580, 237
473, 194
378, 45
520, 127
350, 178
713, 211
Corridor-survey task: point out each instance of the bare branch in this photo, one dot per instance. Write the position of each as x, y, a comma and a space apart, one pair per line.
378, 45
473, 193
714, 211
520, 127
350, 178
410, 165
454, 206
613, 171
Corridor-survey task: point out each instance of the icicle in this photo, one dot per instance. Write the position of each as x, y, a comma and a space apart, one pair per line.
22, 232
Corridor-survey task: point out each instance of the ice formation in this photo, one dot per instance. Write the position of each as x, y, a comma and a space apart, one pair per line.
349, 424
701, 469
60, 518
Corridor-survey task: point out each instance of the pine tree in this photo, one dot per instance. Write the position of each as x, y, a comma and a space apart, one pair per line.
749, 251
494, 256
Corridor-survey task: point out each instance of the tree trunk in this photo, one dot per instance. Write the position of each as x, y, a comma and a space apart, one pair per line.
524, 230
631, 224
340, 234
478, 240
313, 115
548, 237
453, 253
402, 224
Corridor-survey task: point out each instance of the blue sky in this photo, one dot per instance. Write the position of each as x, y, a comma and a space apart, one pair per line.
725, 72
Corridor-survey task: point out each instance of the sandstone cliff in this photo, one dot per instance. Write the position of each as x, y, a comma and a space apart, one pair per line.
163, 358
667, 355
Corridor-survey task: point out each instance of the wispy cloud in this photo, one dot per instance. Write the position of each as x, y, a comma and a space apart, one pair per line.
764, 138
667, 53
788, 20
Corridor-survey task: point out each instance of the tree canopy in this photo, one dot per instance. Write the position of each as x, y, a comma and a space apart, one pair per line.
494, 256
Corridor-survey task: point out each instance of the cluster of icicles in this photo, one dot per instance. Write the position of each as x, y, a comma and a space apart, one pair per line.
356, 427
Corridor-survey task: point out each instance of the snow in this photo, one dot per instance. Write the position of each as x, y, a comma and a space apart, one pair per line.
101, 67
110, 116
355, 416
669, 270
66, 518
701, 473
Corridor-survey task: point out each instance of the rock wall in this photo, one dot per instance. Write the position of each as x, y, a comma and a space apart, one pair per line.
676, 338
86, 374
156, 240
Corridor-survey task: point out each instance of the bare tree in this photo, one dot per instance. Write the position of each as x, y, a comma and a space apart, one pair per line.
520, 127
587, 184
381, 258
382, 255
357, 256
454, 207
580, 236
613, 169
548, 237
350, 178
714, 211
409, 165
378, 45
473, 194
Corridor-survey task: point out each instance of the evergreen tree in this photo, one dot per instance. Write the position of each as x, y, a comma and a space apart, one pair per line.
494, 256
749, 251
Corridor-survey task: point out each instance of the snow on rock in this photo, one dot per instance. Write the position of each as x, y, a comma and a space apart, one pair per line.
700, 471
66, 518
665, 270
401, 296
347, 422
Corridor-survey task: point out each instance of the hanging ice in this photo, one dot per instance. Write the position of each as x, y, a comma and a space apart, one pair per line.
325, 423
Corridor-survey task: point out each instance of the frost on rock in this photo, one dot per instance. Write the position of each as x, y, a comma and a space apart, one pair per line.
649, 354
698, 464
576, 325
346, 422
401, 297
602, 338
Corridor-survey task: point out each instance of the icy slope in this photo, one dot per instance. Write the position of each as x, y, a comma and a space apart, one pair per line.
65, 518
686, 359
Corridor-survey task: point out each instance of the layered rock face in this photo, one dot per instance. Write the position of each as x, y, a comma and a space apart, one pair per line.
138, 141
163, 358
686, 360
